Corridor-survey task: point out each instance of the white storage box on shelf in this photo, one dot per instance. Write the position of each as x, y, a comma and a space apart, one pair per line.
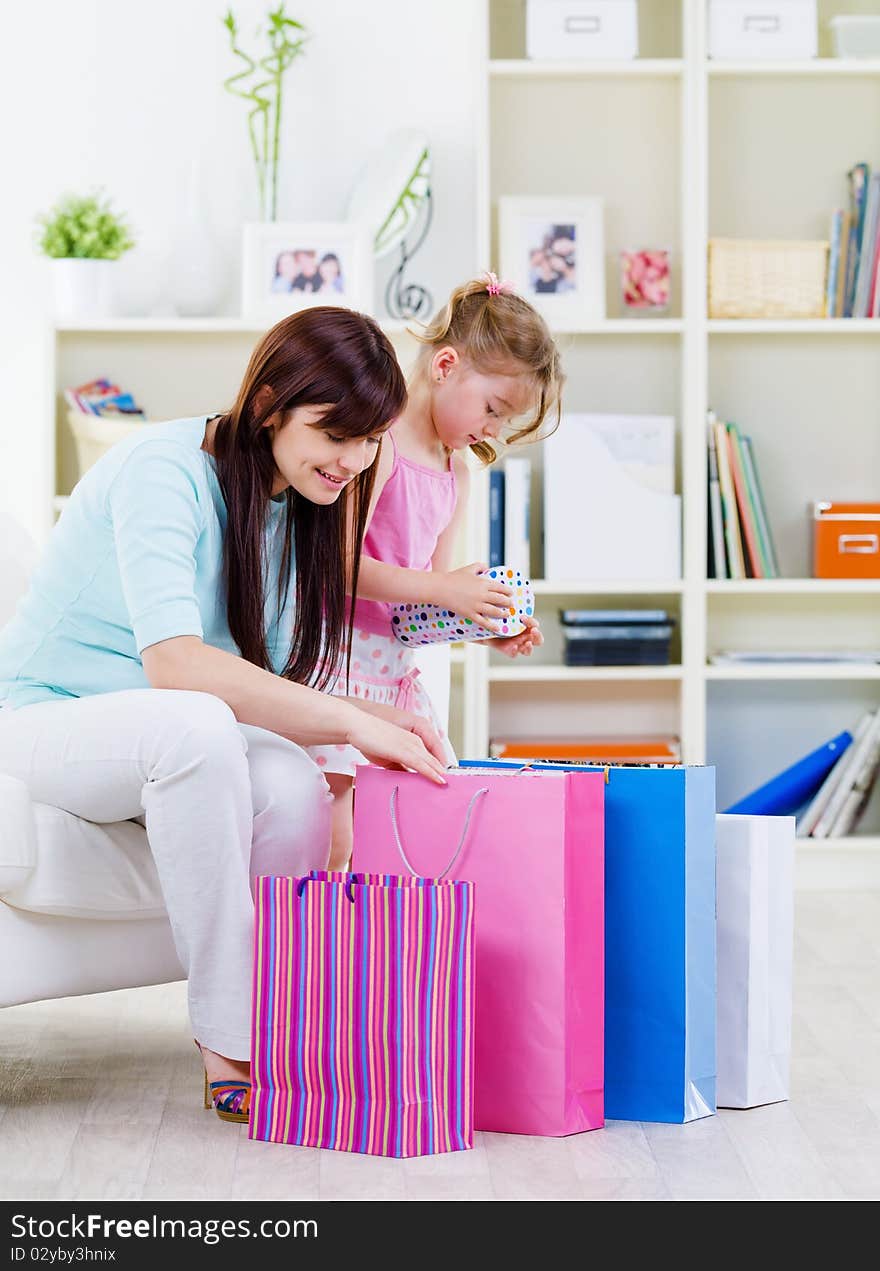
776, 29
582, 29
856, 34
95, 434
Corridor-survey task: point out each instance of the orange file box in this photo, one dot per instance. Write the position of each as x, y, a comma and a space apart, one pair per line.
846, 540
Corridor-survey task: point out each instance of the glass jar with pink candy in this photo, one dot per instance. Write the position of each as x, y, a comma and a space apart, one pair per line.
644, 281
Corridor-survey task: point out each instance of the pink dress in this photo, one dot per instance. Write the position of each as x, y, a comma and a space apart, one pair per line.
415, 507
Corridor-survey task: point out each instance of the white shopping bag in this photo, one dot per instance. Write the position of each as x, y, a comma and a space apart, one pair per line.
755, 928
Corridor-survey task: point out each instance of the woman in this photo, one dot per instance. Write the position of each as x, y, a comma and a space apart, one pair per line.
163, 661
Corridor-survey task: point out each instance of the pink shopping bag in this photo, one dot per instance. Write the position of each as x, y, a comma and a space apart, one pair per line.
534, 850
363, 1013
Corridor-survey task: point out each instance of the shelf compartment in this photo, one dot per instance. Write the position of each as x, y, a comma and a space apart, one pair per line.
813, 423
586, 705
641, 120
757, 729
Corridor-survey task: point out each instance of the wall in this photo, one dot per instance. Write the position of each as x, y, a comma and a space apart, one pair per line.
128, 97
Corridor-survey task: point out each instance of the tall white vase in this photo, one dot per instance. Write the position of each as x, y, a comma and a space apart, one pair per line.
83, 288
198, 275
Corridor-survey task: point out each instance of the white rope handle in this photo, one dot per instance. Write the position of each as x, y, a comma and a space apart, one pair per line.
415, 873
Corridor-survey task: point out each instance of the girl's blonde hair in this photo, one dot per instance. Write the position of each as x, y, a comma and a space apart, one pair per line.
500, 332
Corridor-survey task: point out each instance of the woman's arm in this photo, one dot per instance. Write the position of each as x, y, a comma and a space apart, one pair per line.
302, 714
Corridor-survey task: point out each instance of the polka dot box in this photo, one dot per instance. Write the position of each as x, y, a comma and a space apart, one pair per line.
429, 624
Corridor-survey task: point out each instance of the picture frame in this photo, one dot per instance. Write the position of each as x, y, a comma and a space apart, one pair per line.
553, 251
293, 265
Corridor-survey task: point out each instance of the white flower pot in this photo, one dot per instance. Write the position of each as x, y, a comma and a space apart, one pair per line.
83, 288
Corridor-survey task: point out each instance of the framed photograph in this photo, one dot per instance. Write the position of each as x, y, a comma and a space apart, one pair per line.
290, 265
553, 251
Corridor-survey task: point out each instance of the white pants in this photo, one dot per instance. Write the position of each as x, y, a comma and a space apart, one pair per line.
219, 799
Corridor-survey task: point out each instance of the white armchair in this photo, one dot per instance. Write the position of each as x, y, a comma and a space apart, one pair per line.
81, 910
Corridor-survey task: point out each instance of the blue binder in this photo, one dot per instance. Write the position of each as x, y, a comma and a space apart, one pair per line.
783, 794
659, 940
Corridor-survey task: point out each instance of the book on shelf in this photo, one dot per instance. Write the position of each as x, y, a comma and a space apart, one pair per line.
851, 769
809, 817
844, 252
732, 540
834, 239
857, 797
102, 397
763, 522
751, 553
496, 517
788, 790
717, 558
867, 251
857, 180
517, 511
600, 749
740, 542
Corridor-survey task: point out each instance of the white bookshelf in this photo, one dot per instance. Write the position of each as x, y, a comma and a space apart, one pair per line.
681, 148
729, 149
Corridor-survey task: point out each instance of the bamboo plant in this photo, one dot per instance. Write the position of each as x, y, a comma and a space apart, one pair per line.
260, 82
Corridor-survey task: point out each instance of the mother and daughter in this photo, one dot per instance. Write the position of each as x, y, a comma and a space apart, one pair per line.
206, 643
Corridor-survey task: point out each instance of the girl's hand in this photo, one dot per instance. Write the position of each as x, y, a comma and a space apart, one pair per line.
411, 743
522, 644
470, 592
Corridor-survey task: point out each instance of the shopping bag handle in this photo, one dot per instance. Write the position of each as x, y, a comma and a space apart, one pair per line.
415, 873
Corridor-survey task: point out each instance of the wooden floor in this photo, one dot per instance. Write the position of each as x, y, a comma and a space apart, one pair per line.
100, 1098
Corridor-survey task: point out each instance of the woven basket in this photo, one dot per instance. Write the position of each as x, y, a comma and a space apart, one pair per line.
766, 279
95, 434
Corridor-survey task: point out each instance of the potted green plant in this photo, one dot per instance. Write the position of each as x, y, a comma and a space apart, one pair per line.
260, 81
83, 236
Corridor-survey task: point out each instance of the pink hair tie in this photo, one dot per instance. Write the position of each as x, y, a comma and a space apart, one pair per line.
496, 286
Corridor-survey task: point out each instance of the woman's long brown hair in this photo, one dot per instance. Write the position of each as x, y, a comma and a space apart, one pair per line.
318, 356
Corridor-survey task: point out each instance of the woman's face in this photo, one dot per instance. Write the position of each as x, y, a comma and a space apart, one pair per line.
286, 265
329, 270
318, 463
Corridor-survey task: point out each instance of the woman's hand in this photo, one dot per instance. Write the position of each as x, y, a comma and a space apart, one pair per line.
405, 719
522, 644
470, 592
397, 739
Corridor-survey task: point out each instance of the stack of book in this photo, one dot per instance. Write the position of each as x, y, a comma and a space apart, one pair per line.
102, 397
852, 286
616, 637
839, 804
740, 542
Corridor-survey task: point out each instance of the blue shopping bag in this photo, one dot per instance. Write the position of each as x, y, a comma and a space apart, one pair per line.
659, 939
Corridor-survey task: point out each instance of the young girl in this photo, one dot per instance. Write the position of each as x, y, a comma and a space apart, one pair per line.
487, 359
160, 662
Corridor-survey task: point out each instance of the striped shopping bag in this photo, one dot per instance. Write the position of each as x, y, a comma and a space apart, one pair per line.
363, 1013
